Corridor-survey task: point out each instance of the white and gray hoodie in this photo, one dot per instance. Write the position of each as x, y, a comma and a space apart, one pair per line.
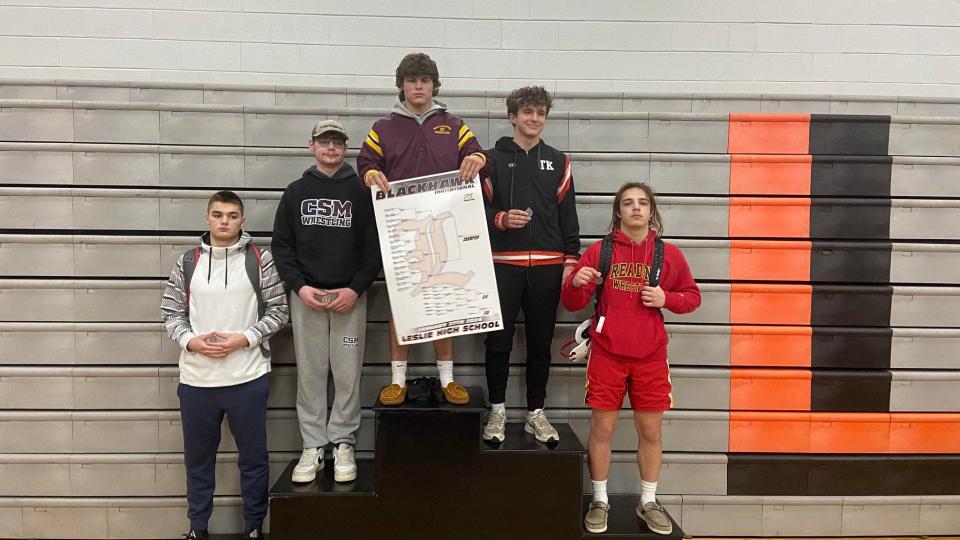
222, 299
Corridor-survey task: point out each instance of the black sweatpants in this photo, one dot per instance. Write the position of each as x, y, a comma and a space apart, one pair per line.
201, 413
535, 289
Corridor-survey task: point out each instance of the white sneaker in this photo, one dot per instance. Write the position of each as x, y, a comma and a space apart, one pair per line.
494, 430
344, 463
538, 426
311, 461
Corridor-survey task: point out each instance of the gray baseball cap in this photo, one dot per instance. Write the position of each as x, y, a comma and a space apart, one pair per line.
329, 126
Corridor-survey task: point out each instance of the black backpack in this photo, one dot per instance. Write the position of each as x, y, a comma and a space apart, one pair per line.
253, 262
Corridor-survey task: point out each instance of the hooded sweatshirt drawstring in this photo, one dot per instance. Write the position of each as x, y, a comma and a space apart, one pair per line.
226, 265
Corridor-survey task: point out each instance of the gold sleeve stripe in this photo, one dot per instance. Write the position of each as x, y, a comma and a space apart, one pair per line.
376, 147
464, 136
464, 140
373, 135
463, 129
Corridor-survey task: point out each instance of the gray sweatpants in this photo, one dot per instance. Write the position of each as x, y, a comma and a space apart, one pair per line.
328, 342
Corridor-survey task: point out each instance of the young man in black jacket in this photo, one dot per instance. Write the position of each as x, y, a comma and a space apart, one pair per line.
535, 237
326, 249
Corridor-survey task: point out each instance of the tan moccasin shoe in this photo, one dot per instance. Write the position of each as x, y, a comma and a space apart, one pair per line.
456, 394
393, 394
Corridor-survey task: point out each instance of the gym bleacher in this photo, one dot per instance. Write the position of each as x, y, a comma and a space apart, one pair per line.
817, 388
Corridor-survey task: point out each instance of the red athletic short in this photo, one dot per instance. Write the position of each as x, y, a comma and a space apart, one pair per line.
609, 379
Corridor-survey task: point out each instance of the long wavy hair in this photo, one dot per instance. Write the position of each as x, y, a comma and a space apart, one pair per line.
656, 220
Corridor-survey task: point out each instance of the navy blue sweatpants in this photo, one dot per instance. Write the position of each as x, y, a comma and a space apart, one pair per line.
201, 413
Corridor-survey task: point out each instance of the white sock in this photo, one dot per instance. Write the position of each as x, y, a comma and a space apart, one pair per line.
445, 369
648, 492
599, 490
500, 408
399, 370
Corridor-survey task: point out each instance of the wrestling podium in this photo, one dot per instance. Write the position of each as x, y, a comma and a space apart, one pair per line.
433, 477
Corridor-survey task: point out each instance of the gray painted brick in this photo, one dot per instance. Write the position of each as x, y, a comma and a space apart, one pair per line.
270, 57
29, 51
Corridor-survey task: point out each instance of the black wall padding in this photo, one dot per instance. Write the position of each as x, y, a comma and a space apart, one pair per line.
847, 305
850, 219
854, 262
849, 134
929, 475
851, 348
766, 474
850, 391
838, 475
847, 475
850, 176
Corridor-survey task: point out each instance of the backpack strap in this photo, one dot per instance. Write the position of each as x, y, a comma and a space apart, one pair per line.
190, 258
253, 261
606, 256
654, 278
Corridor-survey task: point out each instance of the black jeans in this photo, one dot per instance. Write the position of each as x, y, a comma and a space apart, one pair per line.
535, 289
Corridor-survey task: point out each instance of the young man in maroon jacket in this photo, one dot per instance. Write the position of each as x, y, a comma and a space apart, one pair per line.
419, 137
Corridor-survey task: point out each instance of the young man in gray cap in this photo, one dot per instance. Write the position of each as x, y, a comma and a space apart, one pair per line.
326, 249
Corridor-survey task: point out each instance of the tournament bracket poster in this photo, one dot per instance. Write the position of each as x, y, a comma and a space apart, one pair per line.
436, 257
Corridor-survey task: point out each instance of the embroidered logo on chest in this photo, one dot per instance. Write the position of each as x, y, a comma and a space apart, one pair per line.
443, 129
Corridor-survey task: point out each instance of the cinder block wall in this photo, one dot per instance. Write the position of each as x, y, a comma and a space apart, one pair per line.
888, 47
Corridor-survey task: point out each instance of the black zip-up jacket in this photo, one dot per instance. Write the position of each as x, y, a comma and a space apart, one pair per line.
324, 234
538, 179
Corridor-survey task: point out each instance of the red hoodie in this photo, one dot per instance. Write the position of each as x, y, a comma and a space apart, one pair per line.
631, 331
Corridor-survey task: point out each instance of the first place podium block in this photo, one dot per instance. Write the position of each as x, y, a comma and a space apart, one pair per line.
433, 477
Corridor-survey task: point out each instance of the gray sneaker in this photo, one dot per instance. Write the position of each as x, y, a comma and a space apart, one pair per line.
494, 430
344, 463
655, 517
538, 426
311, 461
596, 519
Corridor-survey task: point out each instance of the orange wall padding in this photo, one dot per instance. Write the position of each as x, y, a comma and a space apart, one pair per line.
769, 218
779, 432
769, 134
774, 346
845, 433
770, 304
770, 175
770, 389
772, 260
928, 433
849, 433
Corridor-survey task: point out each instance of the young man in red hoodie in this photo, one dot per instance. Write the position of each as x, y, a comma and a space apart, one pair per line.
629, 344
419, 137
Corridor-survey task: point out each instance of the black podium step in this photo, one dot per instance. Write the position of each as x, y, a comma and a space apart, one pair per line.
623, 522
324, 485
435, 478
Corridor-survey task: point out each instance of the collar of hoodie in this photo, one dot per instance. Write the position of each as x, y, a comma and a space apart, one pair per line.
222, 253
399, 107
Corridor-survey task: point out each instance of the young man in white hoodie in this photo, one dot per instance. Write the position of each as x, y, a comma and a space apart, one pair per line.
223, 301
